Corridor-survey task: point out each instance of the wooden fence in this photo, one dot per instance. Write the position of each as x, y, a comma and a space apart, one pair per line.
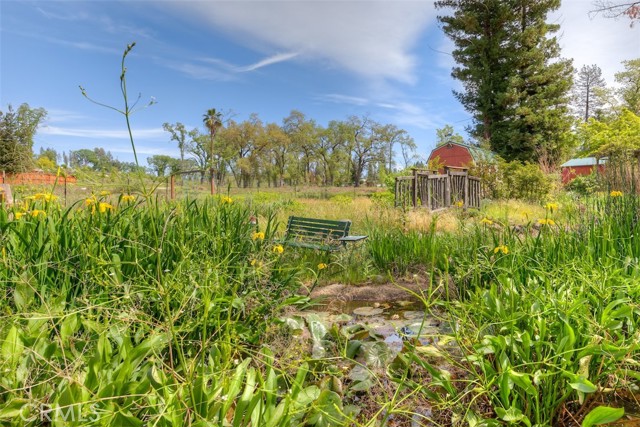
434, 191
35, 178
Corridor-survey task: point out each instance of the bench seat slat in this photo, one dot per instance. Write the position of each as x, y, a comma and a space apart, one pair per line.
320, 234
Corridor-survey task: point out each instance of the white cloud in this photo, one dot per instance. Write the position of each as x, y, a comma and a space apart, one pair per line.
149, 133
402, 113
601, 41
370, 38
274, 59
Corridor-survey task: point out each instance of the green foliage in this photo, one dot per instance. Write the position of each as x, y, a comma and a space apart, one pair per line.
618, 136
446, 135
503, 50
513, 180
17, 129
586, 184
629, 80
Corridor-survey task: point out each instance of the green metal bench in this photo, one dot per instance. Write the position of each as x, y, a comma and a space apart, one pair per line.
320, 234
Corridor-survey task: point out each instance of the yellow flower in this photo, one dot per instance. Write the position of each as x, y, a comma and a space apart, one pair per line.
256, 263
225, 199
18, 215
322, 266
546, 221
104, 193
103, 207
502, 248
486, 221
47, 197
37, 213
459, 203
551, 207
258, 235
278, 249
90, 201
616, 193
4, 253
126, 198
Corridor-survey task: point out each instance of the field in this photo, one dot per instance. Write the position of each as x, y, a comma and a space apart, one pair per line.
120, 309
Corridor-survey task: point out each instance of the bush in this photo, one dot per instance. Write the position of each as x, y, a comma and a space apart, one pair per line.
585, 185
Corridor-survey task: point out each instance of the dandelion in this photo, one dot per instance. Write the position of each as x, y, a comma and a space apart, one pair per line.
103, 207
546, 221
551, 207
37, 213
486, 221
322, 266
502, 248
616, 193
259, 235
278, 249
128, 198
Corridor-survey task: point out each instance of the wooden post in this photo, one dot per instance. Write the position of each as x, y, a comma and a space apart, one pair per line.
172, 187
397, 192
466, 190
447, 190
414, 199
429, 185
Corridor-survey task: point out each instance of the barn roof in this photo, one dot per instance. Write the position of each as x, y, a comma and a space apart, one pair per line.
477, 153
584, 161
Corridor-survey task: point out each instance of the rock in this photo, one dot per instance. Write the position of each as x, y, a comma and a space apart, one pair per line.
367, 311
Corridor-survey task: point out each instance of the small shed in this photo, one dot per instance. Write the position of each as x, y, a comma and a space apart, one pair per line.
581, 167
460, 156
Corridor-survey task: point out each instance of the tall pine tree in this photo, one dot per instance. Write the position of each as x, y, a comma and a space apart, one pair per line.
515, 85
585, 91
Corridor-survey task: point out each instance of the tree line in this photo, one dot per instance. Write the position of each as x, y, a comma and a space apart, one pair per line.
297, 151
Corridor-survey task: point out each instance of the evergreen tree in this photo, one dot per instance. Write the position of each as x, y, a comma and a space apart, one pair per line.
515, 85
588, 84
17, 129
629, 81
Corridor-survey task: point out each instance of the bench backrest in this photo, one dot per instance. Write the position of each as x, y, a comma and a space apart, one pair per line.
314, 230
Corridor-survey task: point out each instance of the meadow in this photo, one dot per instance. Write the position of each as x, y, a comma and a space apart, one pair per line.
120, 309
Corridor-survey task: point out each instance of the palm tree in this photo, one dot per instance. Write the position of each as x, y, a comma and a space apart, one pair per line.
212, 120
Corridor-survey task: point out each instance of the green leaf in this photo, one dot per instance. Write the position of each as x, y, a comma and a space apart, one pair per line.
602, 415
583, 385
12, 347
14, 409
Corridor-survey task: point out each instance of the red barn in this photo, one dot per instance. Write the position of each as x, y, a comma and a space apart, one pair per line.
580, 167
456, 155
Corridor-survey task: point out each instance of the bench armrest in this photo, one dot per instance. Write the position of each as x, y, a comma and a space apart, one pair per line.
348, 239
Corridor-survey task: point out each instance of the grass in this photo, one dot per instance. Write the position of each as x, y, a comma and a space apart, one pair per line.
137, 306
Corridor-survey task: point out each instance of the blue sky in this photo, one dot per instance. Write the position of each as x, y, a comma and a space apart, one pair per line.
328, 59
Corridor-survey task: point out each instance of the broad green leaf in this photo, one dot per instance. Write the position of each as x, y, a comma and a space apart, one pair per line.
12, 347
602, 415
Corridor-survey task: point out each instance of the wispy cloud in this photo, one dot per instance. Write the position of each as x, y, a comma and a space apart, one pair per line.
82, 45
402, 113
56, 115
274, 59
374, 39
149, 133
221, 70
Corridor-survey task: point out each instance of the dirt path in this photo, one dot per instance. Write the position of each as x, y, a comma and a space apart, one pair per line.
370, 292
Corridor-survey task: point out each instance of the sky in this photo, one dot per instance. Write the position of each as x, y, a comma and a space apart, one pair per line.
329, 59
